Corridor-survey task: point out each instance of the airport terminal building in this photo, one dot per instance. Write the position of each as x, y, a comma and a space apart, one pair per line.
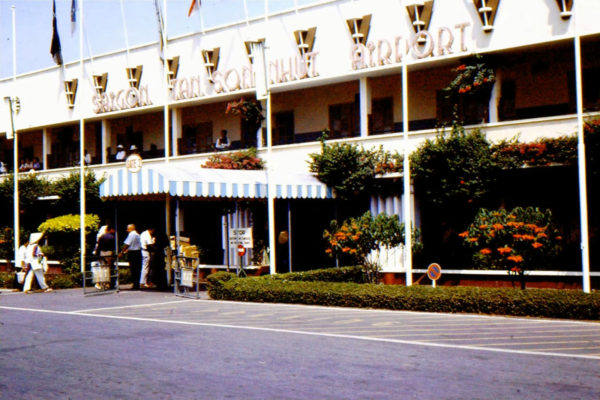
370, 72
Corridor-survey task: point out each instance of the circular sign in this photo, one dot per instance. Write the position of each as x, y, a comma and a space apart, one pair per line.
434, 271
133, 163
241, 250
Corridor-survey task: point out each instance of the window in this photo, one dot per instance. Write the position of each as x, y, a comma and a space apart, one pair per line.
506, 108
382, 116
471, 109
283, 131
196, 138
344, 120
591, 90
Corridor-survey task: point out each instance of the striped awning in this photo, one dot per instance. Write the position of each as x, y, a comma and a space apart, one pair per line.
207, 183
122, 183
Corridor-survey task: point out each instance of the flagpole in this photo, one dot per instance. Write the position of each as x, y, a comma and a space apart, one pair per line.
16, 221
581, 162
166, 82
125, 32
81, 148
246, 12
406, 178
14, 42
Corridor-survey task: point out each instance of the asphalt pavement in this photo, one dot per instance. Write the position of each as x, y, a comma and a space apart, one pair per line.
134, 344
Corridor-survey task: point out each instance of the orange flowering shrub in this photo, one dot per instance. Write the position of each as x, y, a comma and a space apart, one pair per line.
523, 238
543, 152
353, 239
472, 77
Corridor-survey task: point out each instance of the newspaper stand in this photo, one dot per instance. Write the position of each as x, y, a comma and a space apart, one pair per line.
186, 277
102, 277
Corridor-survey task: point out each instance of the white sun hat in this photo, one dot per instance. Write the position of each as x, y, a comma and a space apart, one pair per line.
35, 237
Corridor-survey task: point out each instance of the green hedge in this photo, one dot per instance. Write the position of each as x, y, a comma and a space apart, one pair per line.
550, 303
346, 274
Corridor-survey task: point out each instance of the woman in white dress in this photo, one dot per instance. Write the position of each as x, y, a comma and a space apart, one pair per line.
33, 258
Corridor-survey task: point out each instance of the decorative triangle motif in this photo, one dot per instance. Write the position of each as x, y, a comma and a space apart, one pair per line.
420, 15
173, 65
487, 13
100, 82
211, 61
134, 76
71, 92
305, 39
359, 28
565, 7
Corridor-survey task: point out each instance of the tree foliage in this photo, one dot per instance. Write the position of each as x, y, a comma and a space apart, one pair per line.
347, 168
455, 167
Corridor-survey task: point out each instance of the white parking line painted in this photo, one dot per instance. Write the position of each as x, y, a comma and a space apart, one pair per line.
130, 306
338, 336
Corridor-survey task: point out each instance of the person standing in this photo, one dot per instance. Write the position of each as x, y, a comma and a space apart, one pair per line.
33, 259
21, 262
105, 248
148, 243
133, 248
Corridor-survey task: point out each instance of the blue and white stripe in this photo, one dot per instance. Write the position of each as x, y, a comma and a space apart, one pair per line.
213, 183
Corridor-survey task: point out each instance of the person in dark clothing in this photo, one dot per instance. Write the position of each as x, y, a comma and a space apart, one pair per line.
105, 247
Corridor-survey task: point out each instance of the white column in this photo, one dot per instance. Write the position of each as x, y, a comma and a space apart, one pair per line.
81, 146
166, 84
45, 147
105, 133
271, 191
365, 105
177, 129
406, 178
583, 207
495, 98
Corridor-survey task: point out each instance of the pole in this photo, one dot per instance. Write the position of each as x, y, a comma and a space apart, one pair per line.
125, 32
406, 211
81, 149
270, 191
14, 42
583, 207
16, 222
289, 223
166, 83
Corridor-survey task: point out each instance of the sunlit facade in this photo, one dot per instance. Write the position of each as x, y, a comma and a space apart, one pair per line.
333, 65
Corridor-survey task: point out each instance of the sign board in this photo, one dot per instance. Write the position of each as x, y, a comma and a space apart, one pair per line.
241, 250
133, 163
241, 236
434, 271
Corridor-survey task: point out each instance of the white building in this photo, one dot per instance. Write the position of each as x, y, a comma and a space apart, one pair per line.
332, 65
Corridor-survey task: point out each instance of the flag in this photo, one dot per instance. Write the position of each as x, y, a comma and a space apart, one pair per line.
160, 26
73, 15
193, 7
55, 45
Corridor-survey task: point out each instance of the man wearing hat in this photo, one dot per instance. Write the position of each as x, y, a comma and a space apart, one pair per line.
120, 156
33, 259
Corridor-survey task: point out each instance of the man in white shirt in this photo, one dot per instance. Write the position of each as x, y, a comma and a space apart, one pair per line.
120, 156
148, 241
133, 248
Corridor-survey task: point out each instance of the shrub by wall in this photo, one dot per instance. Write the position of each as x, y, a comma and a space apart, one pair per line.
354, 274
531, 302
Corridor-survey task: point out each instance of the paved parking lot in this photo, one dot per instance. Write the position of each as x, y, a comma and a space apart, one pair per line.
551, 358
486, 333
